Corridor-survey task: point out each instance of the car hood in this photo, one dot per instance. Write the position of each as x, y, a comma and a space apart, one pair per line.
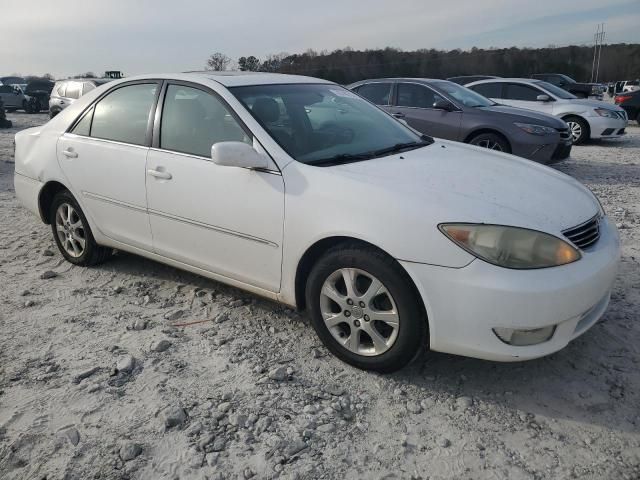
526, 115
453, 182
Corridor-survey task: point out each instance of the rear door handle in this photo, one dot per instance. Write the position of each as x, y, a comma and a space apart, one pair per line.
160, 174
398, 115
69, 153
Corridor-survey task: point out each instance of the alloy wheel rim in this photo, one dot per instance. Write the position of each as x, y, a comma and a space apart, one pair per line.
491, 145
70, 230
359, 312
576, 130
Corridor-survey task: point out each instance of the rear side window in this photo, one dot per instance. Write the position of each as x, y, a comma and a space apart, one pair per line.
516, 91
489, 90
378, 93
123, 115
417, 96
83, 127
73, 90
194, 120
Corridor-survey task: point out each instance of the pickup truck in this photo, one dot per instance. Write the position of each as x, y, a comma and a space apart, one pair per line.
580, 90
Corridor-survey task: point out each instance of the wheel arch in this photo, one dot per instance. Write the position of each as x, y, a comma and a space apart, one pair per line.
47, 192
579, 117
480, 131
315, 252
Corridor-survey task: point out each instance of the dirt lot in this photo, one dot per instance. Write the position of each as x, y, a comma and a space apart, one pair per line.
95, 382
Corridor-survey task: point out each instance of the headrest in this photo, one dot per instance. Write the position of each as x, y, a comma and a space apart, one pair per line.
266, 109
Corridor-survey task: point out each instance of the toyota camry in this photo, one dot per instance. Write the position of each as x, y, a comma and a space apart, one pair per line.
299, 190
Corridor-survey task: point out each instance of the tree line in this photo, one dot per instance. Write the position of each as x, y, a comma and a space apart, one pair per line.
617, 62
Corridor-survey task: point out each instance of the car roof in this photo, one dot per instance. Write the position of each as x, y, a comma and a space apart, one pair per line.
512, 80
233, 78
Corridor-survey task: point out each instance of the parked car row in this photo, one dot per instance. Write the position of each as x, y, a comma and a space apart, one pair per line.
40, 94
498, 113
447, 110
392, 240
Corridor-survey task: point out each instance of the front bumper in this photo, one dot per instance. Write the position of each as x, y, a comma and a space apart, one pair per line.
464, 304
604, 127
541, 149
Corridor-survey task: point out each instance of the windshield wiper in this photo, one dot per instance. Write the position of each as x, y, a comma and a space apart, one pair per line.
342, 158
402, 147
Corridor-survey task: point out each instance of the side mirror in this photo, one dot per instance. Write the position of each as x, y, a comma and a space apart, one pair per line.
237, 154
543, 98
442, 104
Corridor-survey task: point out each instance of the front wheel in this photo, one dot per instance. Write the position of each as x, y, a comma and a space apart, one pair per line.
365, 309
72, 233
578, 128
491, 141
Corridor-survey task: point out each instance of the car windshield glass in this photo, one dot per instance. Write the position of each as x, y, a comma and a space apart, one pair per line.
467, 97
557, 91
326, 124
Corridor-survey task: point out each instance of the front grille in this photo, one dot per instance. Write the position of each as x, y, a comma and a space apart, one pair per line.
584, 235
621, 131
607, 131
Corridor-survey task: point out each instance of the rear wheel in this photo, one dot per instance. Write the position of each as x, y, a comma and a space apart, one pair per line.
364, 308
579, 129
72, 233
492, 141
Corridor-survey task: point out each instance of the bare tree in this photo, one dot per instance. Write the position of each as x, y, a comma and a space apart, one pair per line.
218, 61
48, 76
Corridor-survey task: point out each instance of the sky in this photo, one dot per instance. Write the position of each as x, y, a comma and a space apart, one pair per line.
67, 37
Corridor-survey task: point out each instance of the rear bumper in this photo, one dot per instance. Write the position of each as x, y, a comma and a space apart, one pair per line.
28, 191
465, 304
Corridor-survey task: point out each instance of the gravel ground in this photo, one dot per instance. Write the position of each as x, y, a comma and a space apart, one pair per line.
98, 379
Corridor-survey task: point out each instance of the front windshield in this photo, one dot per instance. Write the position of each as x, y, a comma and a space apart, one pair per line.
464, 95
557, 91
319, 123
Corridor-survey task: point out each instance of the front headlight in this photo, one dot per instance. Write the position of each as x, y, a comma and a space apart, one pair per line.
605, 112
536, 129
511, 247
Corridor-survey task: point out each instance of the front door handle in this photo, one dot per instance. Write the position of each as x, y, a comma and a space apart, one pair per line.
399, 115
69, 153
160, 174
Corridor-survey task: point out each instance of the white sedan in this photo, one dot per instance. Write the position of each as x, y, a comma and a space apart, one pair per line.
299, 190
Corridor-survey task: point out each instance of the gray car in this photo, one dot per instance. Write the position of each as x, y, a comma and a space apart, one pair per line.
65, 92
447, 110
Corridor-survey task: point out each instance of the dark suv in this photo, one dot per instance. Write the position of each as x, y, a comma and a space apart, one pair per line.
580, 90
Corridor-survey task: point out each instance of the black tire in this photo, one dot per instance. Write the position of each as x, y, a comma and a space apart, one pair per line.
53, 113
412, 332
492, 141
93, 254
638, 118
585, 132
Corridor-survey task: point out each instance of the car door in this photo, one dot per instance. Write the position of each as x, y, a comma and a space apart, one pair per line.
104, 155
414, 104
525, 96
225, 220
10, 96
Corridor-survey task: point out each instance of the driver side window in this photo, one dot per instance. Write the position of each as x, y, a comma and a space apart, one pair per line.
193, 120
416, 96
516, 91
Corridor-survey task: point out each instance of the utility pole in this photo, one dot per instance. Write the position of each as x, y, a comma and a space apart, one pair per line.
595, 52
600, 51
